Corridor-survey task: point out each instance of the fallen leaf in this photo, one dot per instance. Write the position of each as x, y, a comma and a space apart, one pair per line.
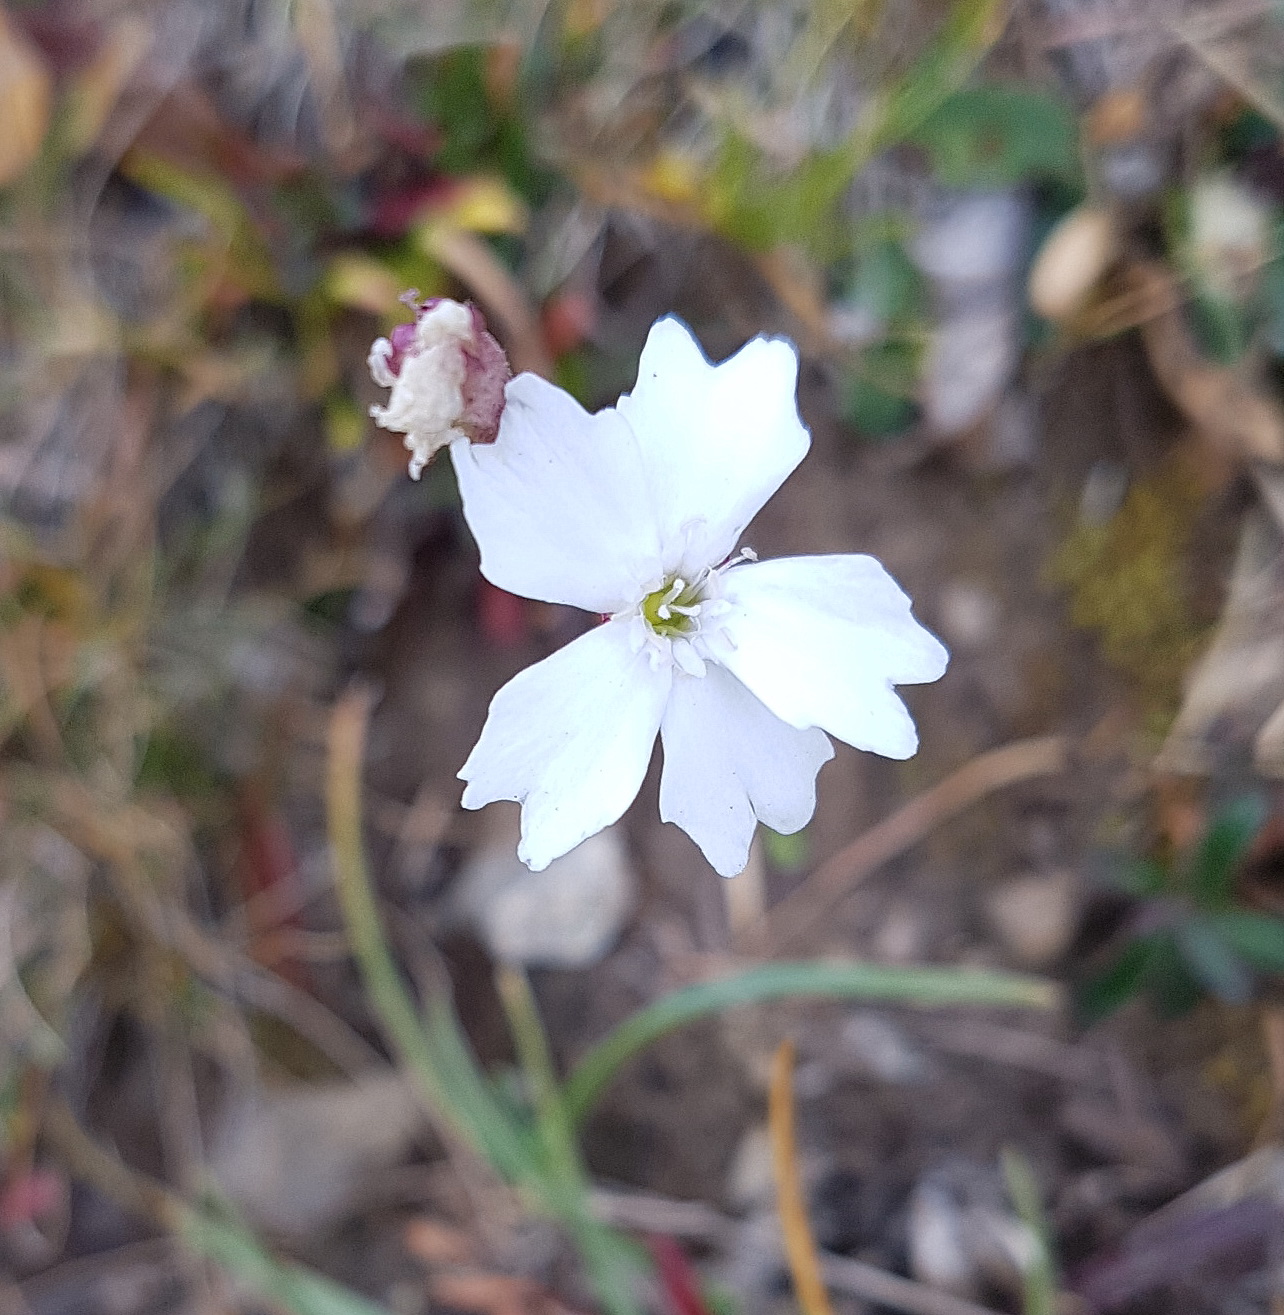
436, 1243
26, 95
1237, 417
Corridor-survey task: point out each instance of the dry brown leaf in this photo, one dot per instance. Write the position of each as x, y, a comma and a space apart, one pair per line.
488, 1294
26, 96
435, 1243
1234, 700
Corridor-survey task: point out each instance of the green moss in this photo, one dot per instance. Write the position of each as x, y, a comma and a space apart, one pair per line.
1127, 583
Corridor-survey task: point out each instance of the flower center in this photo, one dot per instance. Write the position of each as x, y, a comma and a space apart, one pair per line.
684, 621
674, 608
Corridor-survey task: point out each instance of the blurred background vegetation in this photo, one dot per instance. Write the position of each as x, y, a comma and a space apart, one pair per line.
1030, 254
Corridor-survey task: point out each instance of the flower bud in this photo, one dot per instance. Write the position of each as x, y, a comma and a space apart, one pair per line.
447, 376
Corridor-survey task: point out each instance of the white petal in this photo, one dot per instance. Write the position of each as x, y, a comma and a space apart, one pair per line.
717, 440
558, 504
570, 739
822, 641
729, 762
380, 355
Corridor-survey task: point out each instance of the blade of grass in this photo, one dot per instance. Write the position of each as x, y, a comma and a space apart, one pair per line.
800, 1246
236, 1250
606, 1255
432, 1049
778, 981
1038, 1273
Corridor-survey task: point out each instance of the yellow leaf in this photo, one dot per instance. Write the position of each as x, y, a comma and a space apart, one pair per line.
672, 177
26, 93
483, 205
363, 283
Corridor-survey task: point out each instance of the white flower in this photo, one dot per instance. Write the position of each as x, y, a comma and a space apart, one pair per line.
740, 666
447, 376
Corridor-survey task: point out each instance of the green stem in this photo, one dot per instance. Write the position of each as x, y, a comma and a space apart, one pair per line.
432, 1049
777, 981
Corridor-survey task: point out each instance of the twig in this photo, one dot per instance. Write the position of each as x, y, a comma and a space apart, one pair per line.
997, 1044
873, 1284
800, 1246
803, 908
88, 1161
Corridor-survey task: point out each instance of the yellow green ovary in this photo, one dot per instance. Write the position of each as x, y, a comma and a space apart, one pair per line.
677, 622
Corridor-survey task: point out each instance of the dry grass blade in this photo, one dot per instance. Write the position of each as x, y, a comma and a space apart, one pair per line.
801, 910
800, 1246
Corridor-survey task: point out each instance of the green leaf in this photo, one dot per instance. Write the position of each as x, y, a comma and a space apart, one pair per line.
877, 397
874, 411
1103, 993
1213, 963
1212, 869
1140, 877
1221, 327
1173, 987
1256, 937
786, 853
993, 135
886, 284
1273, 300
779, 981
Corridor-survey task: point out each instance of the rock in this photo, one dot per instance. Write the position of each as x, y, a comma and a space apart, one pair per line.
1036, 916
971, 248
567, 916
972, 355
973, 242
969, 614
299, 1159
902, 937
751, 1183
877, 1047
963, 1236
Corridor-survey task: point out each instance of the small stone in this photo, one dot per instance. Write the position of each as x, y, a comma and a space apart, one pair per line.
878, 1047
751, 1183
1072, 261
567, 916
963, 1237
902, 937
972, 355
298, 1160
973, 239
969, 614
1036, 916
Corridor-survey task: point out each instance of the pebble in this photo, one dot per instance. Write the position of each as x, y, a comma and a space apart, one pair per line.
1035, 917
973, 240
879, 1048
963, 1236
972, 355
568, 916
969, 614
297, 1160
